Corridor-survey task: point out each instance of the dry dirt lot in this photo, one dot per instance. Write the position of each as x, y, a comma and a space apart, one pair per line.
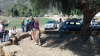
68, 45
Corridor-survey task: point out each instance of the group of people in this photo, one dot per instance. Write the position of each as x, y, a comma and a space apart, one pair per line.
33, 27
6, 33
29, 25
33, 24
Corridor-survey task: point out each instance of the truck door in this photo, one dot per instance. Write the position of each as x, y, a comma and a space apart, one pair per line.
72, 26
78, 26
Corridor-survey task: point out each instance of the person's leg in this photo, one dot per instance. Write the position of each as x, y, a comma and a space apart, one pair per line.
60, 33
0, 40
39, 32
26, 28
23, 29
4, 38
7, 37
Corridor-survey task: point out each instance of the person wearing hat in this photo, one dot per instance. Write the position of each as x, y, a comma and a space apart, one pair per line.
1, 31
61, 23
36, 32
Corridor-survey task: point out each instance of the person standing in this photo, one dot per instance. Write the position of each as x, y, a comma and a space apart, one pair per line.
36, 32
5, 24
26, 23
31, 25
22, 25
1, 31
61, 23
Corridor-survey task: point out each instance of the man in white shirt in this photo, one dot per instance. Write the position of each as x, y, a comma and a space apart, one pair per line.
61, 23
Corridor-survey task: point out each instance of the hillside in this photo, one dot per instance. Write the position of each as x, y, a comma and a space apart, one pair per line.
5, 4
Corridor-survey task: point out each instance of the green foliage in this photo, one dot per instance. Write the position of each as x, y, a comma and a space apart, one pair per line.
20, 10
38, 7
55, 13
67, 7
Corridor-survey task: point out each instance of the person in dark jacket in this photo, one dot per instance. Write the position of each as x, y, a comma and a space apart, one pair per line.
22, 25
31, 25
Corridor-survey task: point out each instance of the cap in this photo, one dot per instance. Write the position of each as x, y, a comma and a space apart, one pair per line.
36, 19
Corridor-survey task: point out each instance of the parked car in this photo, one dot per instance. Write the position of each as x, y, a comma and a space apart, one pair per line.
72, 26
96, 26
77, 25
51, 24
46, 15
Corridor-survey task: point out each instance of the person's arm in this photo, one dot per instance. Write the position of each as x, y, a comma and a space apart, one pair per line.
62, 24
5, 24
15, 32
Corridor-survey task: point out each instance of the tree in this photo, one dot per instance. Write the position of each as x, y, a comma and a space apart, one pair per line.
89, 12
66, 7
89, 8
1, 12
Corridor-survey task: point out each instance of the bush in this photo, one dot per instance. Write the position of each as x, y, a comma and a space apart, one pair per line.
20, 10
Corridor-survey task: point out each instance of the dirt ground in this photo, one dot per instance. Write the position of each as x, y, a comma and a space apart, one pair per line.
68, 45
47, 48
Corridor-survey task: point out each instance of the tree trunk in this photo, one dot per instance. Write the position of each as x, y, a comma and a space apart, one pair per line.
68, 16
88, 15
86, 30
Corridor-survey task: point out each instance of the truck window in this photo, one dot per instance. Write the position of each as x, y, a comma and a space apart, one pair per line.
67, 22
77, 23
71, 23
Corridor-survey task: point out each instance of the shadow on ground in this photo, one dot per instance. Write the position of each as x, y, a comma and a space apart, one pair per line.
73, 43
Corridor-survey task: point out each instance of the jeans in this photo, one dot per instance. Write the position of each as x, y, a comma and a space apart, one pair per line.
60, 32
22, 29
0, 40
6, 38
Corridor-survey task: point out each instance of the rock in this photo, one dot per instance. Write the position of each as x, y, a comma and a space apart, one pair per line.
18, 54
10, 50
91, 39
4, 44
23, 35
13, 40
